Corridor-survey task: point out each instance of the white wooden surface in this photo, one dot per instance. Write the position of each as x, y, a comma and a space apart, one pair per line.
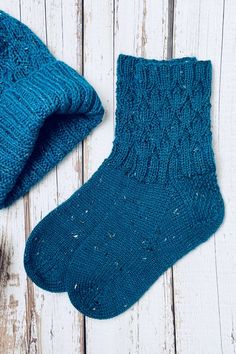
192, 308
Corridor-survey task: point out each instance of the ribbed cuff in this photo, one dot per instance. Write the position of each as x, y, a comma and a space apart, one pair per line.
163, 73
42, 117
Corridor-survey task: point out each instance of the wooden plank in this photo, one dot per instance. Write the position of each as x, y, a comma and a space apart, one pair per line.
225, 240
98, 69
41, 200
55, 327
13, 286
198, 31
140, 28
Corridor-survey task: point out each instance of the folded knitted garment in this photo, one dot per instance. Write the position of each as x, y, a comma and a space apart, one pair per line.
46, 108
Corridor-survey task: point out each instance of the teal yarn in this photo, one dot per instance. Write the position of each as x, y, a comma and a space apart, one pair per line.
54, 240
170, 202
46, 109
151, 202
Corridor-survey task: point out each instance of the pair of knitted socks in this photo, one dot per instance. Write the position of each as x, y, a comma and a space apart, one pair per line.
154, 199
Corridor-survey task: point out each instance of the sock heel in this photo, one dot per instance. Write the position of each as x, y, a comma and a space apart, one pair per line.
205, 200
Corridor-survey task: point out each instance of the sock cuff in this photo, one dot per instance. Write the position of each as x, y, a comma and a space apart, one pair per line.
164, 74
163, 117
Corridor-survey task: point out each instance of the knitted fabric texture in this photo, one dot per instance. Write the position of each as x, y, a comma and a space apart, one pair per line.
46, 108
170, 201
54, 240
152, 201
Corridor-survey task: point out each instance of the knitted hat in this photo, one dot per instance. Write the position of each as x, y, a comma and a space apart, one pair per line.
46, 108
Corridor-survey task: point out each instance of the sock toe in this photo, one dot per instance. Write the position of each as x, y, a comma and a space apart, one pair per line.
90, 296
52, 242
99, 302
45, 257
96, 272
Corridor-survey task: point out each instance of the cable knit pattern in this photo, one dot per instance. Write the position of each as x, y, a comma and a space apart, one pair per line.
46, 108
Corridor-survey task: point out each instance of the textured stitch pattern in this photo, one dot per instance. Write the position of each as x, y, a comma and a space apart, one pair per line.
46, 108
163, 125
170, 201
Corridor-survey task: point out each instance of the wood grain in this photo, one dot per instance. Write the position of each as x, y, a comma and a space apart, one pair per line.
13, 285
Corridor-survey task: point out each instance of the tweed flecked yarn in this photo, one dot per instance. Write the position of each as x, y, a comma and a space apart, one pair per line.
170, 201
151, 202
53, 241
46, 108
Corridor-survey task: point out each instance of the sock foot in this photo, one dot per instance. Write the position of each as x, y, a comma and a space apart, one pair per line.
54, 240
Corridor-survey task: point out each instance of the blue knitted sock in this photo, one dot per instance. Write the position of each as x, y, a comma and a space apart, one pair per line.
169, 201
